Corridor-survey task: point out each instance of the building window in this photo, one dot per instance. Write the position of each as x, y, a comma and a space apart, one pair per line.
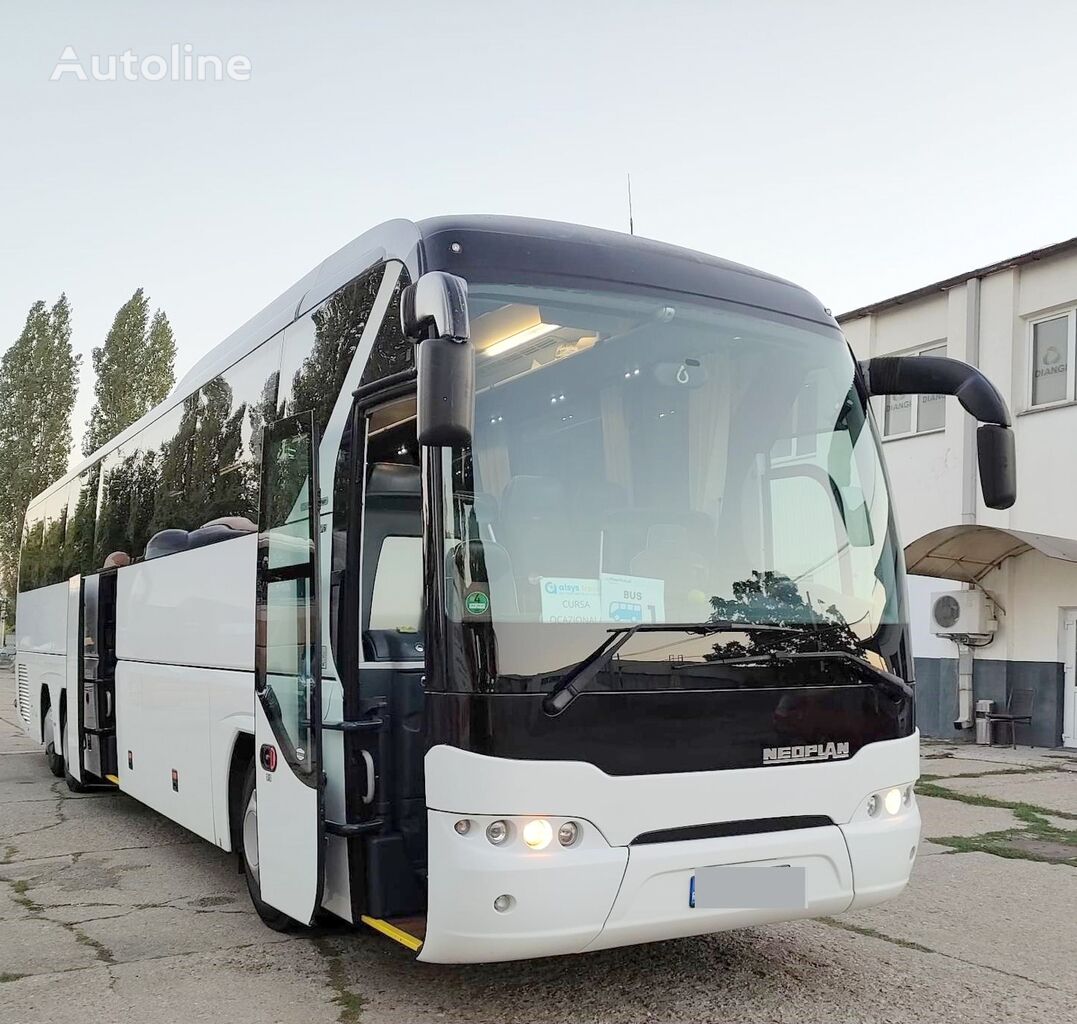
915, 414
1051, 342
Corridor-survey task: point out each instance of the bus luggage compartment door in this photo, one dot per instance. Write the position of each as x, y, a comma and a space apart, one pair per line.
288, 710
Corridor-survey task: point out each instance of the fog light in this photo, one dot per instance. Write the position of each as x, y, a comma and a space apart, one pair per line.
892, 801
463, 826
568, 833
873, 805
503, 902
497, 832
538, 834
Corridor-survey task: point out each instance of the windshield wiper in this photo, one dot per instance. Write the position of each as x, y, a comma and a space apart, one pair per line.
568, 687
893, 684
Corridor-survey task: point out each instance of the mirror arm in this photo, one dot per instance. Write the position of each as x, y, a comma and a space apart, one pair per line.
434, 315
937, 375
435, 306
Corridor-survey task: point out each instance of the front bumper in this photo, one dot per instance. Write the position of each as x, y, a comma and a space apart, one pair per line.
597, 896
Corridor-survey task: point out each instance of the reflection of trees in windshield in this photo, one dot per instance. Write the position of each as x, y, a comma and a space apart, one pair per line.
773, 598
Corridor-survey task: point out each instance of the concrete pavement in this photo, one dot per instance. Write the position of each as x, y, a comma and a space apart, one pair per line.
110, 912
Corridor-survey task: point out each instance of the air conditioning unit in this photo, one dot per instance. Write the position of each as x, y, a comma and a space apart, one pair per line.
958, 613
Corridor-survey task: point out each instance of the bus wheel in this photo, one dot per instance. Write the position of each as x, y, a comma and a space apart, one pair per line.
73, 784
248, 832
55, 761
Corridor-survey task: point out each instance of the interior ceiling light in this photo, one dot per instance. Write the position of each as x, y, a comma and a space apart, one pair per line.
521, 338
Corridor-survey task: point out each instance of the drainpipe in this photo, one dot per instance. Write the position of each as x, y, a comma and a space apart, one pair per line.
964, 687
968, 424
965, 719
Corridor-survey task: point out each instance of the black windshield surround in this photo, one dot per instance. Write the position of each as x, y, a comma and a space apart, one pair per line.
677, 712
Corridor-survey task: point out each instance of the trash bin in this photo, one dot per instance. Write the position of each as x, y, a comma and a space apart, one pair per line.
983, 723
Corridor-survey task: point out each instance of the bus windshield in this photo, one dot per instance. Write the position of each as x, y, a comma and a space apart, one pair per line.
640, 457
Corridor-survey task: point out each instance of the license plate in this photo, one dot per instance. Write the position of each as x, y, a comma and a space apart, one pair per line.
749, 887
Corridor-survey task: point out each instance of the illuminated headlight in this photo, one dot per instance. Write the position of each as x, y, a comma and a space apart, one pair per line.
497, 832
890, 800
538, 834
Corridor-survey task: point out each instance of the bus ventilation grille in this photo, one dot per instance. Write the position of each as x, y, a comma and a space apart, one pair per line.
22, 683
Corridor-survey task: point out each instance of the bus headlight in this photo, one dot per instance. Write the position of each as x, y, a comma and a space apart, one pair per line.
890, 800
568, 833
538, 834
497, 832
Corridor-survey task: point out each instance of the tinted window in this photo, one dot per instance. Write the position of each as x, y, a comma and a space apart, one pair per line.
236, 406
392, 352
52, 539
209, 456
178, 430
118, 469
81, 521
30, 560
318, 348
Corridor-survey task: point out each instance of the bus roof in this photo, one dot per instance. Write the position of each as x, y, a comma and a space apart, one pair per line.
486, 241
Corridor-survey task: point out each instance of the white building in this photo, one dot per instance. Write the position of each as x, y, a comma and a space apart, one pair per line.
1017, 321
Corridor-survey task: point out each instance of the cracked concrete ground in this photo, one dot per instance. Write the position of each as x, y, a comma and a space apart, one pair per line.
111, 912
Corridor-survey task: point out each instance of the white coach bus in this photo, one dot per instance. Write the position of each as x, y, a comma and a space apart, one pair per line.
512, 587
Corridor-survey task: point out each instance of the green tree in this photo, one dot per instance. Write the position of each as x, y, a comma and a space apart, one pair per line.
38, 383
135, 370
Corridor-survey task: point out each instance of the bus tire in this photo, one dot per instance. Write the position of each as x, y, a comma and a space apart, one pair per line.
248, 851
55, 761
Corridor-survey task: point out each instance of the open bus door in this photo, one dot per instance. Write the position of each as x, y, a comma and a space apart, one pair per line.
289, 780
89, 719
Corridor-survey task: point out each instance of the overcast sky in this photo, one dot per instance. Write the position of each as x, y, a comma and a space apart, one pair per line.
857, 151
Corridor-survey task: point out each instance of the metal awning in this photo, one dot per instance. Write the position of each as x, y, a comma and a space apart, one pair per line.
969, 553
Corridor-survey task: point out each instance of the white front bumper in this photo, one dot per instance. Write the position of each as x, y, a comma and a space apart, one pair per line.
607, 892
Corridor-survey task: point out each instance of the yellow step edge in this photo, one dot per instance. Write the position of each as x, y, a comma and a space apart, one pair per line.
113, 779
394, 933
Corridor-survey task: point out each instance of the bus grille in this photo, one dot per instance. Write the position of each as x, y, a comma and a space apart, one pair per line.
22, 683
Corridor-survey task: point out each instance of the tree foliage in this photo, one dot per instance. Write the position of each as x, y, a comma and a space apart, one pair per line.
773, 598
135, 370
38, 383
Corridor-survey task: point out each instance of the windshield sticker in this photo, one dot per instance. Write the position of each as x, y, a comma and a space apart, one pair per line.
566, 599
477, 603
630, 599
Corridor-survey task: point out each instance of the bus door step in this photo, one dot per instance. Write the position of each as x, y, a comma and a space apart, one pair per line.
353, 828
408, 931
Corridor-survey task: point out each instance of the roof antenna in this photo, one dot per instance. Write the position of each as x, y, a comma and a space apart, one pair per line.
631, 226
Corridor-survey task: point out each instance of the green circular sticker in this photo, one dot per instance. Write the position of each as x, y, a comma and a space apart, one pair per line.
477, 603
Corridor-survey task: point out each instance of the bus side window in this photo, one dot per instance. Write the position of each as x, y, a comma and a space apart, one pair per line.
320, 345
30, 576
397, 600
392, 574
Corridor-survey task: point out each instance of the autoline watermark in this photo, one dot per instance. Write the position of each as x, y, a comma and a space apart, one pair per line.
180, 64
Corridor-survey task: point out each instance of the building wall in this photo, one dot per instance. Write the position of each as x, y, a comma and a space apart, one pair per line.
987, 322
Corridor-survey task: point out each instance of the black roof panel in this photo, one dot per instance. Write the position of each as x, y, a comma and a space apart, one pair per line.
494, 244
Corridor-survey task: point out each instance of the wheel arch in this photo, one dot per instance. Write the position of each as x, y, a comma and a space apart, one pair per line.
44, 705
241, 758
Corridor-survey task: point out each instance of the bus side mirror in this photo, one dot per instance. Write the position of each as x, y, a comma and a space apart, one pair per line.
937, 375
998, 465
433, 314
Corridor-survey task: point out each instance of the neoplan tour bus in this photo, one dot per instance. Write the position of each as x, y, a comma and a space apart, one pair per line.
512, 587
